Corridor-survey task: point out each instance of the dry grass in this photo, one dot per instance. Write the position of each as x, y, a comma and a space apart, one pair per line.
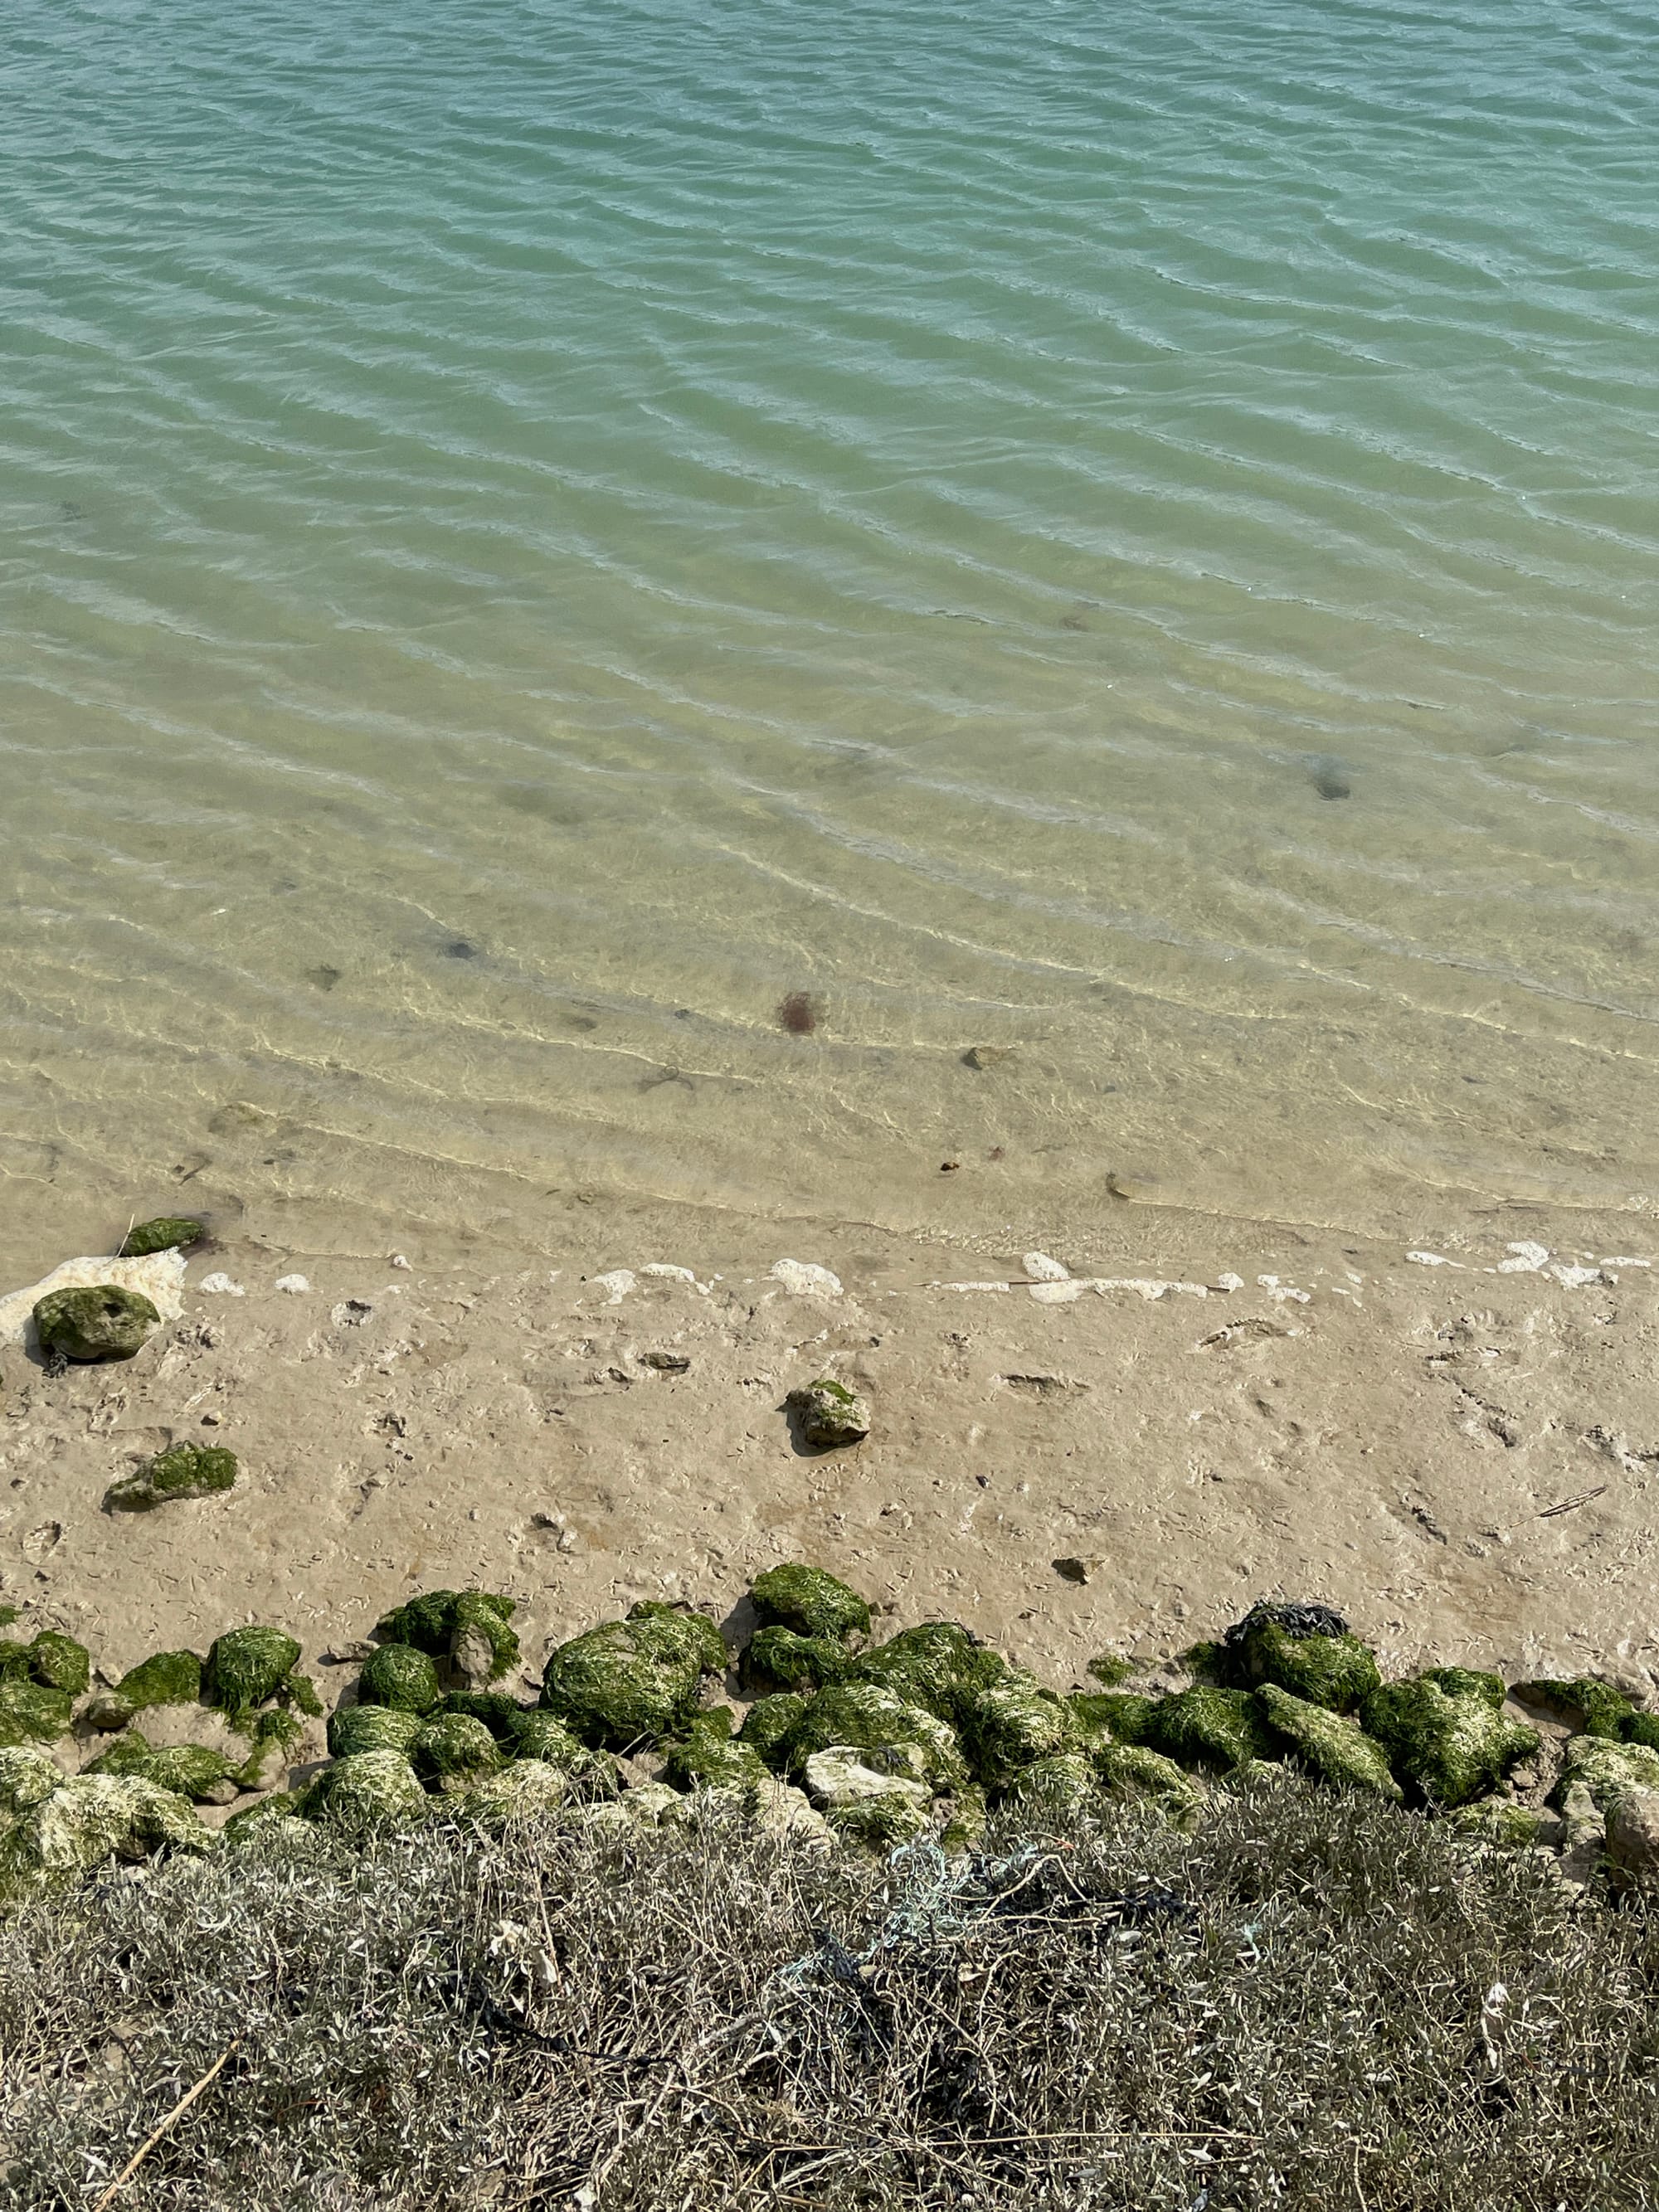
1308, 2002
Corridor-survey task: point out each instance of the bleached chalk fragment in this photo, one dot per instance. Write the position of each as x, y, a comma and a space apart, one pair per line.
294, 1283
1229, 1281
1045, 1269
616, 1284
803, 1279
1576, 1278
975, 1286
1280, 1293
1431, 1259
220, 1286
665, 1272
397, 1261
1528, 1259
1148, 1286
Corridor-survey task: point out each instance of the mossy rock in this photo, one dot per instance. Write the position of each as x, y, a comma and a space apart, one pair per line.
453, 1751
355, 1728
1211, 1727
58, 1663
1499, 1819
1113, 1716
368, 1789
863, 1717
437, 1622
98, 1324
89, 1819
14, 1661
1335, 1749
632, 1681
1134, 1770
777, 1658
246, 1666
129, 1752
1068, 1781
1109, 1670
168, 1232
935, 1665
810, 1601
190, 1770
286, 1806
544, 1739
531, 1789
397, 1675
184, 1472
1337, 1672
1608, 1771
27, 1775
1447, 1737
1012, 1724
709, 1757
165, 1678
30, 1712
1582, 1702
878, 1824
829, 1415
768, 1725
502, 1715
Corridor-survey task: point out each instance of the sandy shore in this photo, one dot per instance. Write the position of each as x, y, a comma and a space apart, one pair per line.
1462, 1456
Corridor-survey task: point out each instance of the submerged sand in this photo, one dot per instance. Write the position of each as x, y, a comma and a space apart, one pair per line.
1458, 1449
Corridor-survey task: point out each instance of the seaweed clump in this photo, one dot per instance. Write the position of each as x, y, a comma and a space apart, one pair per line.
467, 1627
1307, 1650
630, 1681
810, 1601
1447, 1735
168, 1232
398, 1674
51, 1661
451, 1751
98, 1324
246, 1669
1336, 1749
709, 1757
183, 1471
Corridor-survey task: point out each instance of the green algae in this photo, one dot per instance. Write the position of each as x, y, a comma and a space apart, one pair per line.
370, 1789
1013, 1723
101, 1322
437, 1620
1448, 1738
183, 1472
353, 1729
935, 1665
168, 1232
189, 1770
129, 1752
810, 1601
1584, 1702
1336, 1749
1108, 1670
631, 1682
165, 1678
1608, 1771
397, 1675
1135, 1771
502, 1715
709, 1757
878, 1824
248, 1666
1337, 1672
1113, 1716
1209, 1726
768, 1725
865, 1717
1066, 1780
31, 1712
451, 1751
779, 1658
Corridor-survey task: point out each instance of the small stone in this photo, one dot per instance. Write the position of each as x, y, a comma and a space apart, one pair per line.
294, 1283
219, 1285
1633, 1836
840, 1777
1082, 1569
986, 1056
830, 1415
101, 1322
187, 1471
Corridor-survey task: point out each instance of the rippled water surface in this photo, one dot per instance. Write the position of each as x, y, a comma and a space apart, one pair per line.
594, 596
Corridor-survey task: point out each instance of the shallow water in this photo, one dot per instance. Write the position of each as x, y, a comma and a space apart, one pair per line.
592, 597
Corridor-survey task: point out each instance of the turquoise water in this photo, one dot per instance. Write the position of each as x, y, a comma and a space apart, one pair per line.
533, 537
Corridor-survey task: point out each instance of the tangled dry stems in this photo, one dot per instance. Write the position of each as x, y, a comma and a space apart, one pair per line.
1305, 2002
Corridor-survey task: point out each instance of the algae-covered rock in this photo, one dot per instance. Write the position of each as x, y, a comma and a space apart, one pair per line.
129, 1752
246, 1666
356, 1729
58, 1663
544, 1736
878, 1824
32, 1713
529, 1789
453, 1751
630, 1681
183, 1472
190, 1770
1499, 1819
444, 1624
364, 1792
1112, 1716
91, 1818
168, 1232
810, 1601
1209, 1726
708, 1756
863, 1717
1632, 1839
934, 1665
774, 1807
502, 1715
165, 1678
1447, 1737
1333, 1748
397, 1675
1013, 1723
829, 1414
1135, 1771
780, 1659
102, 1321
1605, 1770
645, 1806
1067, 1781
27, 1775
1585, 1702
769, 1722
1307, 1650
282, 1809
842, 1777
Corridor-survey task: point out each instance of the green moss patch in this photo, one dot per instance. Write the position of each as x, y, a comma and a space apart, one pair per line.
98, 1324
30, 1712
397, 1675
1208, 1726
451, 1751
184, 1472
360, 1728
248, 1666
777, 1658
168, 1232
438, 1621
1015, 1722
1327, 1667
1335, 1749
633, 1681
935, 1665
863, 1717
365, 1791
709, 1757
1447, 1737
810, 1601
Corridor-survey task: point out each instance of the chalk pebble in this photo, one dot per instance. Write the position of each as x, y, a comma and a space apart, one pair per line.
220, 1286
158, 1276
292, 1283
805, 1279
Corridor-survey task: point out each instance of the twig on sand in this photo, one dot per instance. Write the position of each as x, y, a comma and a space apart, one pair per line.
156, 2134
1571, 1504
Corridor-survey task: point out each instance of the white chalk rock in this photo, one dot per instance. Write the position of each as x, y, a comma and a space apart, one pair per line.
158, 1277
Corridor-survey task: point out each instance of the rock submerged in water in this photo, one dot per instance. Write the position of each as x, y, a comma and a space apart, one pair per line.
185, 1471
101, 1321
168, 1232
829, 1415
